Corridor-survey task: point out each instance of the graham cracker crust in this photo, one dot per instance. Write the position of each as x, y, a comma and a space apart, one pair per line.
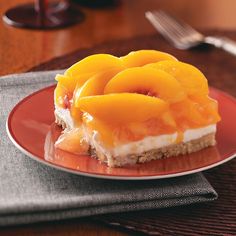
154, 154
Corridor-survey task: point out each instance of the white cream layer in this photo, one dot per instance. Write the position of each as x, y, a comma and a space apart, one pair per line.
64, 114
146, 144
155, 142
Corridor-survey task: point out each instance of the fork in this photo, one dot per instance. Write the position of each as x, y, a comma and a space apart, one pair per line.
183, 36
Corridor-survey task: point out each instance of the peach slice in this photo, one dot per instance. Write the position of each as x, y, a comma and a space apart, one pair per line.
115, 134
195, 112
208, 107
187, 115
95, 85
104, 130
192, 79
129, 133
91, 65
123, 107
76, 114
157, 126
62, 96
73, 141
64, 90
65, 81
143, 57
83, 70
147, 81
138, 130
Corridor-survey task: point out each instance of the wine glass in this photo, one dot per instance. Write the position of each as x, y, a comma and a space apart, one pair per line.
43, 15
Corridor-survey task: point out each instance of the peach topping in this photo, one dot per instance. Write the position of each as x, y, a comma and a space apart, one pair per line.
144, 93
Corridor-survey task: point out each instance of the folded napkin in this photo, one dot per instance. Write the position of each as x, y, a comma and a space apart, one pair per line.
31, 192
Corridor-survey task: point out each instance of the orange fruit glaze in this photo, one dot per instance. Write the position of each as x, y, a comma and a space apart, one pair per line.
145, 93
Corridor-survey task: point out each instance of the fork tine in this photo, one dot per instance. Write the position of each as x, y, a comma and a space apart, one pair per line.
157, 22
181, 26
183, 35
170, 23
176, 32
188, 34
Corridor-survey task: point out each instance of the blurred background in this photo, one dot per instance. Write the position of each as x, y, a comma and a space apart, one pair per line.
20, 49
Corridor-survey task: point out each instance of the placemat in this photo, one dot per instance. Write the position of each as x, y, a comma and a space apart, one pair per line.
31, 192
215, 218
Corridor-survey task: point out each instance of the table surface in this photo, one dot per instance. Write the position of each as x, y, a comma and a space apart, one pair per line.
22, 49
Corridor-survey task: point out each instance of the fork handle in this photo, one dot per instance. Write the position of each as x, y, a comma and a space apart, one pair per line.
222, 42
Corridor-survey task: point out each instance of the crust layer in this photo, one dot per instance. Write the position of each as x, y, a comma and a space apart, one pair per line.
154, 154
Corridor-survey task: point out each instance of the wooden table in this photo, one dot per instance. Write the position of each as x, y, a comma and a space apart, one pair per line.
22, 49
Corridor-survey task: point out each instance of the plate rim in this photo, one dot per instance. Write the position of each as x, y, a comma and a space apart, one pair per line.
106, 176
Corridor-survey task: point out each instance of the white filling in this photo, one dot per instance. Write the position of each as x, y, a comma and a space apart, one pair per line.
64, 114
192, 134
153, 142
146, 144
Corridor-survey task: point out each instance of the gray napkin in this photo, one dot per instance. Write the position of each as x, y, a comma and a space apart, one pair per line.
31, 192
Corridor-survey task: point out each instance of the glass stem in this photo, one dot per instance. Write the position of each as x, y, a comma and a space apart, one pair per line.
41, 8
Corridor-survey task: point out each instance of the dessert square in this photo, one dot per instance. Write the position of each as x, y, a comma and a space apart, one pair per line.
133, 109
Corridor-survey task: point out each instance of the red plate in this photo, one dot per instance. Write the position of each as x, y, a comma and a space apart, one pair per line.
30, 127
